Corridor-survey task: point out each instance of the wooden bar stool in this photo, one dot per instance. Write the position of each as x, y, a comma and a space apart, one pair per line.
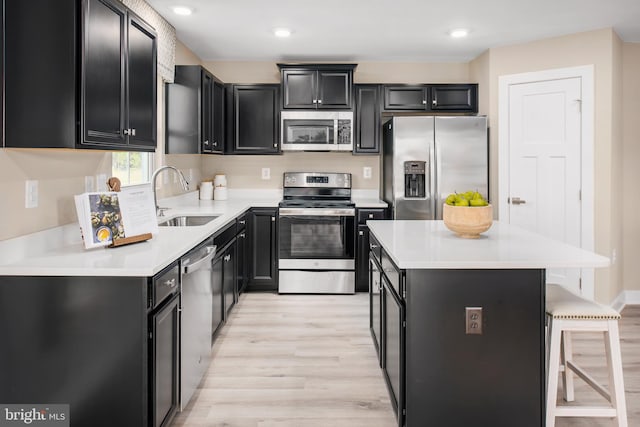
566, 313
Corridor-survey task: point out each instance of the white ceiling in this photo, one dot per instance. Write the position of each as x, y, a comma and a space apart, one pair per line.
383, 30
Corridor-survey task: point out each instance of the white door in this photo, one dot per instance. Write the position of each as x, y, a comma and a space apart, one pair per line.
544, 164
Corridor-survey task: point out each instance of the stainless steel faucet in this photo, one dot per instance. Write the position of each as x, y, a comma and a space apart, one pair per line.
183, 182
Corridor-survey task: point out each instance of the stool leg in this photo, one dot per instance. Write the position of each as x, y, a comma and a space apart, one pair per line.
566, 354
614, 363
553, 365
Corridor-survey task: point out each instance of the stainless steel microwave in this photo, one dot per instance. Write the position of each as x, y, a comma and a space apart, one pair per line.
316, 130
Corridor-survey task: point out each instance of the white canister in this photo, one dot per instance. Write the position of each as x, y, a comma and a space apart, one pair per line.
220, 181
220, 193
206, 190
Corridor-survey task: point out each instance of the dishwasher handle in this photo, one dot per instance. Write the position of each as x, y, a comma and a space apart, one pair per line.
190, 267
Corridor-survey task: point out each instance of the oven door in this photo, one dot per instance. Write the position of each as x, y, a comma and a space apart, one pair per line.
316, 238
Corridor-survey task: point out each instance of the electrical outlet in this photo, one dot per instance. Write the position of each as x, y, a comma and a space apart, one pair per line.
366, 172
473, 320
88, 184
266, 173
31, 194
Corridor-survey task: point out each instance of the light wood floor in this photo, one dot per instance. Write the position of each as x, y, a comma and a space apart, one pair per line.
303, 361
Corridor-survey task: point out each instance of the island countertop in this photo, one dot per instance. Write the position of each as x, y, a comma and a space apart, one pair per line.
416, 244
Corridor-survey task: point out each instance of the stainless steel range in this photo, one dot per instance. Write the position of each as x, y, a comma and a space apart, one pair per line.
316, 236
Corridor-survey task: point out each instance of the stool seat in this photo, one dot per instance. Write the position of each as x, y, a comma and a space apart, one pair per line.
568, 313
563, 304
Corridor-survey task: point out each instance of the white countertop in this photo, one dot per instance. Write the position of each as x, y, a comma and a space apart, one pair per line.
430, 245
59, 251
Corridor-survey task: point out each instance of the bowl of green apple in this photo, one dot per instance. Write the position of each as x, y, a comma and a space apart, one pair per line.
467, 214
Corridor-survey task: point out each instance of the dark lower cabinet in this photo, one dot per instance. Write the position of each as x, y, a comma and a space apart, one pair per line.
241, 255
81, 341
229, 277
253, 113
362, 245
367, 133
164, 342
393, 347
375, 306
263, 257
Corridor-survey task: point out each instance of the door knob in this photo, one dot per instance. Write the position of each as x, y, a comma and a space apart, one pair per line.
517, 201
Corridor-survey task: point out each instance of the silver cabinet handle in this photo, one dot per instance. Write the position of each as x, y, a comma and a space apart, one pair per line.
215, 144
370, 215
275, 145
126, 131
373, 246
434, 102
243, 222
242, 235
273, 219
360, 233
227, 258
517, 201
319, 101
424, 101
206, 143
133, 132
315, 101
171, 283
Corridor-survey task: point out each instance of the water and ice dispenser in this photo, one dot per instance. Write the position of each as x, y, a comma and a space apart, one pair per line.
415, 179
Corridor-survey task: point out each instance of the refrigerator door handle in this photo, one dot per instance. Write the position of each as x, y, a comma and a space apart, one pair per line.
434, 178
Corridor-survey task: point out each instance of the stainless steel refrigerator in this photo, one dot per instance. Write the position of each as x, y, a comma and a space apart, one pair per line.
425, 158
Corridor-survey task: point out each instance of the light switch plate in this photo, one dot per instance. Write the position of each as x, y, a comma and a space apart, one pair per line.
31, 194
266, 173
366, 172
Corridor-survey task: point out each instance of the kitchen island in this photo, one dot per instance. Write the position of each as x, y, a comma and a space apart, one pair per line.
459, 323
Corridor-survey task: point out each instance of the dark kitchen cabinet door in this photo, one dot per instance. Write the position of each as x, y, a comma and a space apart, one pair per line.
375, 306
405, 98
164, 348
362, 259
299, 88
217, 133
367, 119
104, 74
142, 90
334, 89
263, 261
40, 73
229, 277
450, 97
118, 105
241, 255
253, 119
317, 86
393, 347
195, 112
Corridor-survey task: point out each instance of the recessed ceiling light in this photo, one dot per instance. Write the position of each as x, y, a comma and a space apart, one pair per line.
459, 33
282, 32
182, 10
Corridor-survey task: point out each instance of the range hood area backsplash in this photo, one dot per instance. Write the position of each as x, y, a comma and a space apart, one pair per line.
246, 171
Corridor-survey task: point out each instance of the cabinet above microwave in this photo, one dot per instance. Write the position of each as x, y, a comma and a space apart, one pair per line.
317, 86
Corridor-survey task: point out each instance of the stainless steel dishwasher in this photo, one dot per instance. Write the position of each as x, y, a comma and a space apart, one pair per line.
196, 314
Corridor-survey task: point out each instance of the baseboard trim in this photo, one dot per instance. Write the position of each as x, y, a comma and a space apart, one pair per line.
625, 298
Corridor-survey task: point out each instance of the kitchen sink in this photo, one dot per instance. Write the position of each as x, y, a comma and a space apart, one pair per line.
188, 220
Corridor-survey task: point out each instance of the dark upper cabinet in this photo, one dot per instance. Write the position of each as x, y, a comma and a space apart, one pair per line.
453, 98
40, 73
263, 254
195, 112
317, 86
118, 90
405, 97
98, 89
252, 119
367, 111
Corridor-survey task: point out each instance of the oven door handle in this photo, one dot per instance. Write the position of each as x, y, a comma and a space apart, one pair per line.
316, 212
